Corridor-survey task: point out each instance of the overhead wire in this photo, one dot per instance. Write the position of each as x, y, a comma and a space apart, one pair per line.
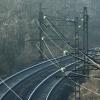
84, 87
92, 61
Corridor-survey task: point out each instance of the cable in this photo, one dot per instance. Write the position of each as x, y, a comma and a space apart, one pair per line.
52, 40
92, 61
61, 48
61, 35
51, 53
89, 59
84, 87
11, 90
62, 69
46, 56
93, 77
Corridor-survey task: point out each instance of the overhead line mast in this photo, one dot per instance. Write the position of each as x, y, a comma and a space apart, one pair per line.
85, 37
40, 19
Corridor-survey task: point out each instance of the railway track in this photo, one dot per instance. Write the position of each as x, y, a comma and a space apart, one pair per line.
24, 73
14, 84
37, 82
42, 90
62, 88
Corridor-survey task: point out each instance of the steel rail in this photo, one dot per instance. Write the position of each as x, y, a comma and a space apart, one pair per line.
34, 73
55, 85
47, 78
30, 68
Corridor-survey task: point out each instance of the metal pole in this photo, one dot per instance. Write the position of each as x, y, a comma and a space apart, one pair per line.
40, 19
77, 87
85, 36
85, 29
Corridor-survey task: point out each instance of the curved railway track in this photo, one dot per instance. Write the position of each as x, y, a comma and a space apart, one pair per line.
39, 81
48, 82
14, 84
